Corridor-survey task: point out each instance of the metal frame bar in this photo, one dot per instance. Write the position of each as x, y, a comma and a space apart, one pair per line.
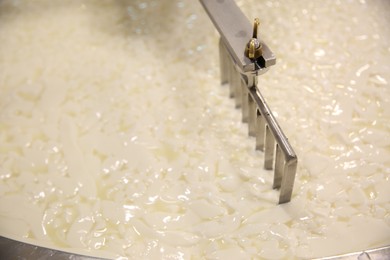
235, 31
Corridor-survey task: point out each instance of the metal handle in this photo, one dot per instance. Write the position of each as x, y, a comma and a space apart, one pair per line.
236, 31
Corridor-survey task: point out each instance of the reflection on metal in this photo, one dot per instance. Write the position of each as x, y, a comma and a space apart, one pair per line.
242, 59
382, 253
12, 249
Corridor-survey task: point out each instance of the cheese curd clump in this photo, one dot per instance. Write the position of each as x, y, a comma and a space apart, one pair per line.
117, 140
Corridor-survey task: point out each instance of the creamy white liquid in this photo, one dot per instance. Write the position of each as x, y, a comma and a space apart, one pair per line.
117, 140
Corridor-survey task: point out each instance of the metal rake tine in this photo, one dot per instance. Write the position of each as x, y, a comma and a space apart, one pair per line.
260, 131
223, 62
244, 101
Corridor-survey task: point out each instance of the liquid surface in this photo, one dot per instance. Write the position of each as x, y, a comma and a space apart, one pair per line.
118, 141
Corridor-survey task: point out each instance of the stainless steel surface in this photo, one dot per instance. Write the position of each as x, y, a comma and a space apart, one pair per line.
240, 73
12, 249
236, 31
382, 253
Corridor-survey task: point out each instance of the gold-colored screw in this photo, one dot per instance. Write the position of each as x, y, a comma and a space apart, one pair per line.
255, 25
253, 49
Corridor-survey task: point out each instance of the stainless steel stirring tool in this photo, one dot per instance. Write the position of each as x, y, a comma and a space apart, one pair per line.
243, 56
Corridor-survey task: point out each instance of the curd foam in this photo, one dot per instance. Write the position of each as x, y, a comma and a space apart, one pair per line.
117, 140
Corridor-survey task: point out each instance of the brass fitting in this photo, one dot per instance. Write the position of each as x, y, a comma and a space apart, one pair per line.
253, 49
